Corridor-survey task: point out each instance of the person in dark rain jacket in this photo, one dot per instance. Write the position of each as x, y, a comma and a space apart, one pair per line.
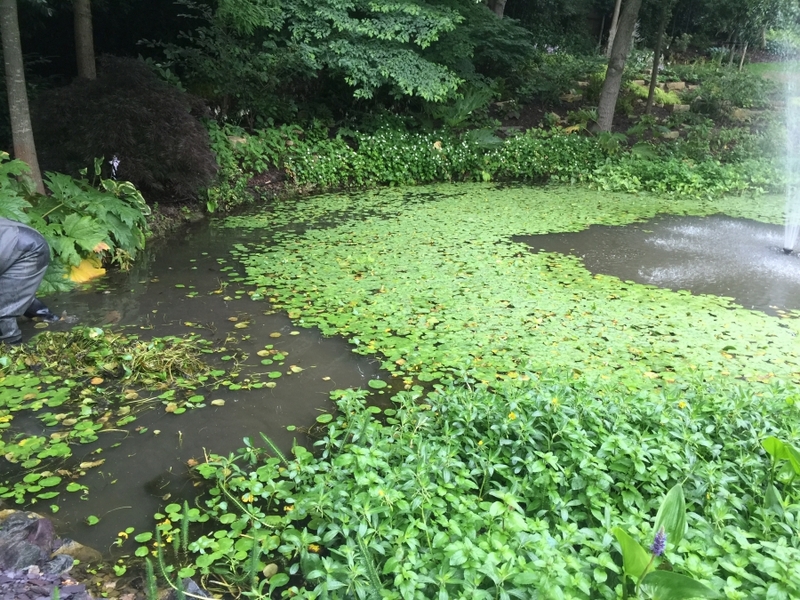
24, 256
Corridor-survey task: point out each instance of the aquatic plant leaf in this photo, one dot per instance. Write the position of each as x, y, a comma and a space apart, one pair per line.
635, 559
668, 585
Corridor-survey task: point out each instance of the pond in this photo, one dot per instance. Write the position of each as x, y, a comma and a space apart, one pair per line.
414, 281
719, 255
171, 292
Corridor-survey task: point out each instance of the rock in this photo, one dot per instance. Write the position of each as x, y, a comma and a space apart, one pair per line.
190, 587
639, 82
583, 84
25, 540
85, 554
679, 108
34, 562
676, 85
692, 86
741, 114
571, 97
671, 135
33, 584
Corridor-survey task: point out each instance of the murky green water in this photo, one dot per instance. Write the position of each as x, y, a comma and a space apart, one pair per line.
147, 471
431, 275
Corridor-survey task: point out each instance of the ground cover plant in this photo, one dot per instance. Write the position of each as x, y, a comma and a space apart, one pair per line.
428, 279
703, 161
536, 491
568, 409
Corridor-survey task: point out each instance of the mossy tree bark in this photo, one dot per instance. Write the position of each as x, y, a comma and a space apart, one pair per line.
84, 41
498, 7
666, 11
616, 64
612, 32
21, 130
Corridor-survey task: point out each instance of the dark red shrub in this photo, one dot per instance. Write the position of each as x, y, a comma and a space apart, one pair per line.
152, 127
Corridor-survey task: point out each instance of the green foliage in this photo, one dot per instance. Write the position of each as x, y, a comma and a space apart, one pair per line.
79, 219
367, 45
550, 75
76, 385
659, 96
469, 492
722, 89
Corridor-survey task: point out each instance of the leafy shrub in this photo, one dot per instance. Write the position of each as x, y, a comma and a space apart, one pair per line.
129, 113
705, 164
468, 492
784, 43
550, 75
659, 96
722, 89
78, 219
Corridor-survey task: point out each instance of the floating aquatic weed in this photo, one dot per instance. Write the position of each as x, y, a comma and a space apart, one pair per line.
79, 384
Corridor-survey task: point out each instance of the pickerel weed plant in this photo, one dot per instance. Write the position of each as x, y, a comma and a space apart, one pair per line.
651, 570
537, 491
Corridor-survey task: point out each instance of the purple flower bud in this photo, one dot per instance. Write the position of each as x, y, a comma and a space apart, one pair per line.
659, 543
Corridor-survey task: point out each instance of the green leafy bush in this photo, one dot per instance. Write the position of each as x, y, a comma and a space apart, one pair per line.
511, 493
551, 75
723, 88
106, 220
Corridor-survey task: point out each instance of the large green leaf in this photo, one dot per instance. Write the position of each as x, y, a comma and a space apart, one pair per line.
85, 231
672, 516
775, 448
666, 585
634, 558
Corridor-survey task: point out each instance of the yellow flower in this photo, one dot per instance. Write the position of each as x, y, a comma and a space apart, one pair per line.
288, 507
480, 442
313, 548
381, 493
123, 535
681, 404
512, 415
247, 497
555, 402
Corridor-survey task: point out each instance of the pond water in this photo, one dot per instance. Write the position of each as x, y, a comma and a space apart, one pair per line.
719, 255
192, 285
147, 471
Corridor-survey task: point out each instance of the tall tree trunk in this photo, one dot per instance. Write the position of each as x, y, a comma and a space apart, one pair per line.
666, 8
498, 7
612, 33
616, 65
21, 130
744, 51
84, 41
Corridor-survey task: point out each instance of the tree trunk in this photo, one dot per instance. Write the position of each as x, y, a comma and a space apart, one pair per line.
744, 51
612, 33
616, 65
498, 7
84, 42
665, 10
21, 130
